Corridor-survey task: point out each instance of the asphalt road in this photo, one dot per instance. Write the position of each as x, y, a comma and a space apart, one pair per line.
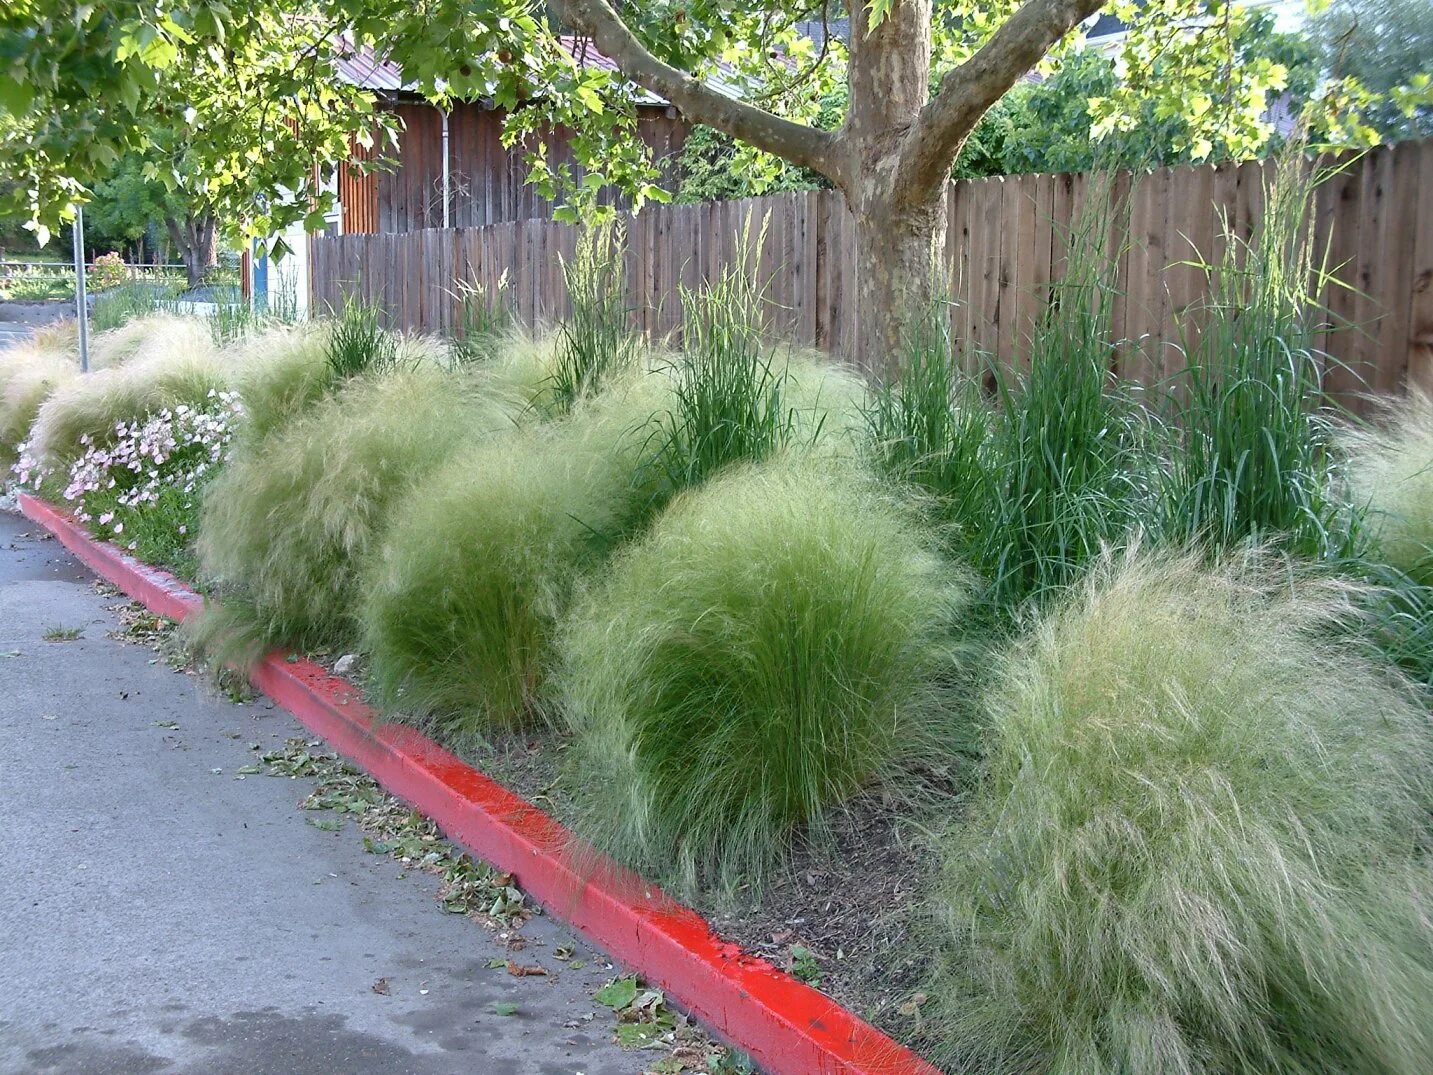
158, 914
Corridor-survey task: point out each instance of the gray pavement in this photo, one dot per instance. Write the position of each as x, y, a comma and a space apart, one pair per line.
159, 916
17, 319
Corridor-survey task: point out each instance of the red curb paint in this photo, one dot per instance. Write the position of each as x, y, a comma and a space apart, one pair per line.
158, 591
786, 1026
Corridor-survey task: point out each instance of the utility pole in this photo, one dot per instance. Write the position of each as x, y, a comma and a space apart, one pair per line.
82, 308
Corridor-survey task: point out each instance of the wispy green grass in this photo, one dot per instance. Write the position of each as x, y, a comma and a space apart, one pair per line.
773, 645
526, 361
1390, 478
1196, 847
171, 363
286, 527
279, 373
463, 601
29, 374
1388, 470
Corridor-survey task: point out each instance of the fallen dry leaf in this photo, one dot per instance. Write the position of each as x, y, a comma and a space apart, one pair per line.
382, 988
517, 970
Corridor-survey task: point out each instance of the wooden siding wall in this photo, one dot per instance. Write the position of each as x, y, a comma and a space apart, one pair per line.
487, 182
358, 194
1004, 252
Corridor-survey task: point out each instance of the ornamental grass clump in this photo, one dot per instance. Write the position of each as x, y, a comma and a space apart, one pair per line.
1200, 842
286, 527
774, 644
29, 374
1254, 456
738, 398
1390, 478
279, 373
178, 366
463, 598
596, 340
484, 319
525, 362
152, 336
1035, 471
358, 343
1065, 473
1030, 486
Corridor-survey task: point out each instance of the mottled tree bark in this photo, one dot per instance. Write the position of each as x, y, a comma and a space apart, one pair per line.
196, 237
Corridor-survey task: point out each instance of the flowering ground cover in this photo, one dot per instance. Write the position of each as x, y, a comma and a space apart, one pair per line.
142, 488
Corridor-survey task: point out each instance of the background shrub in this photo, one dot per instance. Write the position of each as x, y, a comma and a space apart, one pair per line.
1196, 848
461, 606
106, 271
766, 650
286, 526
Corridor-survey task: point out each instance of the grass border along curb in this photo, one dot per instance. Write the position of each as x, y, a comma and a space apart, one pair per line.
785, 1025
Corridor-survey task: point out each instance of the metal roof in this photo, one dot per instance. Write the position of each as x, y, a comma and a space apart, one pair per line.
363, 68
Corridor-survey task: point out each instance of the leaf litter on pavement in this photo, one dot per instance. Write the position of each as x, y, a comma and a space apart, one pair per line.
643, 1018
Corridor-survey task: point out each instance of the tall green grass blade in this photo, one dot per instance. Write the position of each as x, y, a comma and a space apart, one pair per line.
597, 340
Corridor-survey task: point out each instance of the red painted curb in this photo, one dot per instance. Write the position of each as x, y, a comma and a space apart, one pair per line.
786, 1026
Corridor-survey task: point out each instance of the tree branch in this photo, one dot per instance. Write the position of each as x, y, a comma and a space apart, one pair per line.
967, 92
794, 142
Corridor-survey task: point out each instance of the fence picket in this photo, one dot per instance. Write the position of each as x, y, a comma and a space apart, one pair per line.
1008, 244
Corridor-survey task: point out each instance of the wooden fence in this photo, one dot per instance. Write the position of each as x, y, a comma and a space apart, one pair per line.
1004, 251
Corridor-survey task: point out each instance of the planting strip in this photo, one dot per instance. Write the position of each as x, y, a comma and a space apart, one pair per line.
785, 1025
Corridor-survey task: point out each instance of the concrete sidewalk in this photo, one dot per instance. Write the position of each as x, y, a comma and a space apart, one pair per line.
158, 914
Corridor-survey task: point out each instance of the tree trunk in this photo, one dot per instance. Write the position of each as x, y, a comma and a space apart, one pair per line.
195, 239
892, 156
898, 258
900, 227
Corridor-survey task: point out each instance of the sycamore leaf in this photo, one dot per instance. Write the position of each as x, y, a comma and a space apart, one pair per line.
15, 96
618, 993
